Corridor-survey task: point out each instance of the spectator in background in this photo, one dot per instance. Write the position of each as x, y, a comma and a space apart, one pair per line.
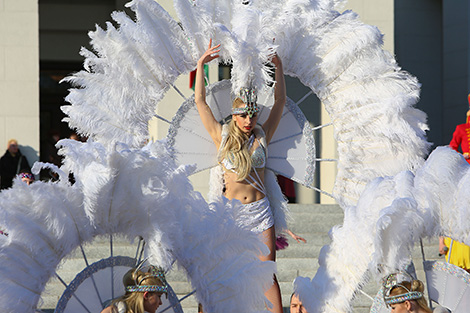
296, 305
49, 154
74, 136
11, 163
455, 252
26, 177
461, 137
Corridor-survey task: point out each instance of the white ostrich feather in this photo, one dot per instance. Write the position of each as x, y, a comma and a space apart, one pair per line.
444, 194
222, 280
132, 192
132, 69
199, 19
44, 222
253, 48
369, 99
196, 25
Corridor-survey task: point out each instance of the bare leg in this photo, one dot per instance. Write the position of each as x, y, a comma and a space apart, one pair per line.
274, 293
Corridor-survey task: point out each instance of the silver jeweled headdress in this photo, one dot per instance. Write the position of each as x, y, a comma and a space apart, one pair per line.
249, 97
155, 272
392, 281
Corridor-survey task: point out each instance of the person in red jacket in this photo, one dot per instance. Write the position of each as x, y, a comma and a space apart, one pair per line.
461, 137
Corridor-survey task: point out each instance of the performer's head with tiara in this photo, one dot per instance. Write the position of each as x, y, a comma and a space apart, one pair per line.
245, 110
244, 119
144, 288
404, 296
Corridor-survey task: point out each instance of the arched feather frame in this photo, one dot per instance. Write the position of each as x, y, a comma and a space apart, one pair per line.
133, 193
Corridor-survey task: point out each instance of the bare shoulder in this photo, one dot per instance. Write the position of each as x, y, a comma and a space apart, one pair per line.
109, 309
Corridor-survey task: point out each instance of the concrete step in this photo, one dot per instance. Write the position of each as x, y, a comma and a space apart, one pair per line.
299, 250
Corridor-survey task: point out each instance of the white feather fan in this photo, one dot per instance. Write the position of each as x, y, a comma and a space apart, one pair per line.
132, 69
368, 97
392, 214
134, 193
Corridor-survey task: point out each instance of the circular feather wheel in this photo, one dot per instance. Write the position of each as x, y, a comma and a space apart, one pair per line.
99, 283
291, 151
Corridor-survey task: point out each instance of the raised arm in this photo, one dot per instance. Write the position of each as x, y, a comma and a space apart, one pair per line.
272, 122
207, 118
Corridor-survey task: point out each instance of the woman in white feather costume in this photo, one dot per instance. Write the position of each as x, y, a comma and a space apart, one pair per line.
143, 292
242, 152
405, 296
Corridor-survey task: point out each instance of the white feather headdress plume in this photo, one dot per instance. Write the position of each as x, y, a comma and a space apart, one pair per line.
199, 18
241, 29
250, 46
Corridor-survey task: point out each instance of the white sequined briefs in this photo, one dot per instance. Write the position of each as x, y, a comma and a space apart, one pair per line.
256, 215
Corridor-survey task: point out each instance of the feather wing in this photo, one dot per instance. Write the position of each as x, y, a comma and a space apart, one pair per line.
133, 67
392, 214
367, 96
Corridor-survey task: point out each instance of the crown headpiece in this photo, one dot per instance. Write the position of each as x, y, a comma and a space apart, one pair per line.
396, 280
153, 272
26, 175
249, 97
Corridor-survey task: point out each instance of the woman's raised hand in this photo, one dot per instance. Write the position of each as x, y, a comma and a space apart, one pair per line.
276, 60
210, 54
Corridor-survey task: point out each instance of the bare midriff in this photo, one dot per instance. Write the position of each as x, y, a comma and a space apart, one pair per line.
242, 190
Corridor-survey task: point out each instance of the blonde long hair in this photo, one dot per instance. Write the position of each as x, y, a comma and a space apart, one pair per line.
415, 285
135, 300
235, 148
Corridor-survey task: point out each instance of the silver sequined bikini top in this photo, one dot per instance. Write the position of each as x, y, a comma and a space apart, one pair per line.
258, 157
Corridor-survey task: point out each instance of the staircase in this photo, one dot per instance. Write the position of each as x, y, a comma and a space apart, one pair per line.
310, 221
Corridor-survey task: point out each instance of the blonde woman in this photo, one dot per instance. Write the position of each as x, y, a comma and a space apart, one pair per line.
242, 146
143, 292
407, 297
